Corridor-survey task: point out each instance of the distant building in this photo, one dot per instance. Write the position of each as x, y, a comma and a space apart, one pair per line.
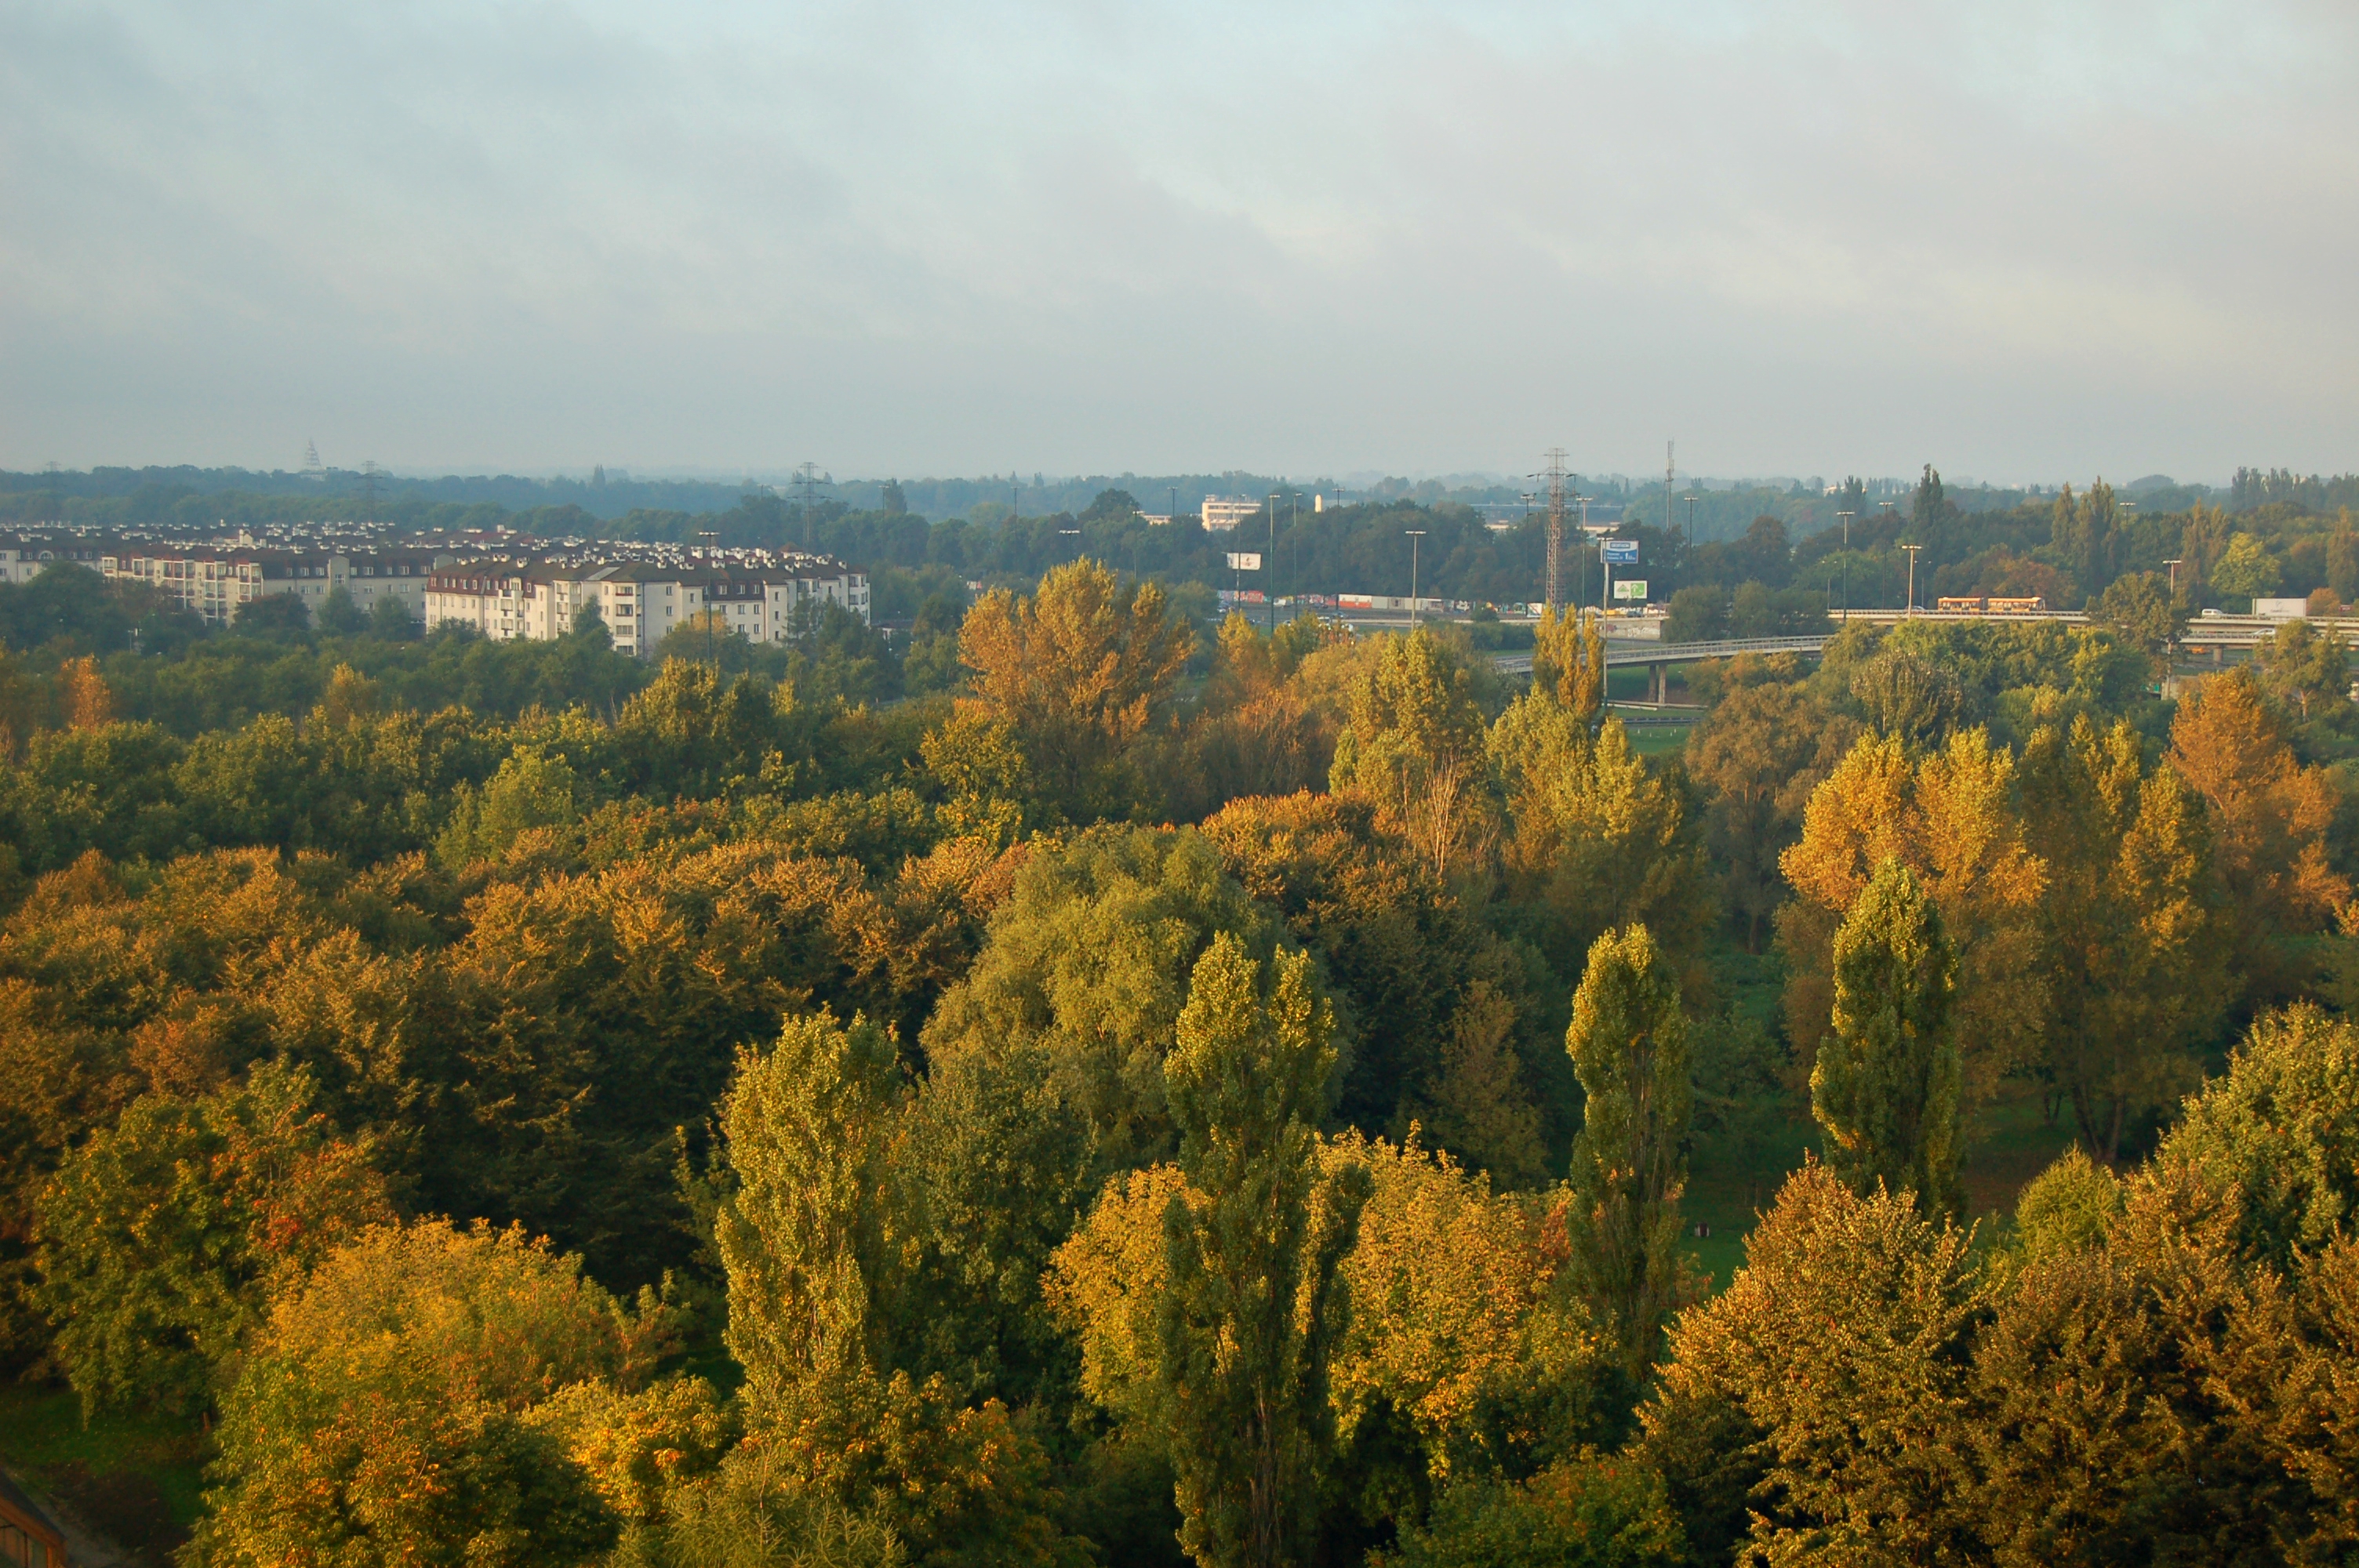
507, 599
1223, 512
215, 583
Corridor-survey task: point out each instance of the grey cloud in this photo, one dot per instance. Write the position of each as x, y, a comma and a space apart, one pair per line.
2020, 240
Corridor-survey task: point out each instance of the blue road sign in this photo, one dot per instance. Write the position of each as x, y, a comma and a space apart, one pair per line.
1620, 552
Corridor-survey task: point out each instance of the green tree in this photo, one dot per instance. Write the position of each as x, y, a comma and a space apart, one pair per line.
339, 616
1089, 959
1593, 1513
804, 1234
1757, 755
1253, 1304
1628, 1042
1909, 698
162, 1238
1595, 838
2280, 1128
390, 621
1887, 1080
2128, 959
2245, 569
2305, 670
2139, 610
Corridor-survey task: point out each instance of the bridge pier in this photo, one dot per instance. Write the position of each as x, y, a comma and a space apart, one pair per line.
1663, 683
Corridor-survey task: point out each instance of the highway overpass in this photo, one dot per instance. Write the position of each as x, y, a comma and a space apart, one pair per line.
2215, 633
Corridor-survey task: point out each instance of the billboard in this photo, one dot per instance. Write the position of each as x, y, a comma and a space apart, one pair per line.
1244, 561
1631, 588
1619, 552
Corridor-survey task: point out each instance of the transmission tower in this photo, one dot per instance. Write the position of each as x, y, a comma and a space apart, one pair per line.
312, 469
806, 486
1554, 475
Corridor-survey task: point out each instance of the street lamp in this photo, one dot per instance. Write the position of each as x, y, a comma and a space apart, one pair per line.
1269, 578
1912, 550
1414, 536
2173, 565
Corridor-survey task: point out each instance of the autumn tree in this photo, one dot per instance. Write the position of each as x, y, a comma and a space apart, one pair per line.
1628, 1042
803, 1234
381, 1416
1414, 746
163, 1238
1440, 1021
1257, 733
1949, 816
1569, 663
1886, 1083
1082, 671
2269, 815
1595, 838
1812, 1407
1253, 1304
83, 694
2129, 961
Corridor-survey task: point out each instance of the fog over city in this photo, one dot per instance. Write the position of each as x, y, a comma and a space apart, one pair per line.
2022, 241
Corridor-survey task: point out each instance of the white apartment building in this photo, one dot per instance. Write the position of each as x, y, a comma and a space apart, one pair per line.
1223, 512
639, 603
216, 583
22, 560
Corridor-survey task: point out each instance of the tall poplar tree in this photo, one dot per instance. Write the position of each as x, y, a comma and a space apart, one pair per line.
1887, 1080
1253, 1304
1629, 1047
2130, 957
801, 1235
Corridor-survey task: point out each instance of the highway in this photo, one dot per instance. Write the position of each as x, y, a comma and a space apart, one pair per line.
2217, 633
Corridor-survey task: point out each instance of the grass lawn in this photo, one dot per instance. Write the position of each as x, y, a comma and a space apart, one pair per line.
135, 1478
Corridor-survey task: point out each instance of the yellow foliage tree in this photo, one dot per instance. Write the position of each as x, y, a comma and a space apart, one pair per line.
1414, 746
1569, 663
2269, 814
1082, 671
83, 691
1950, 817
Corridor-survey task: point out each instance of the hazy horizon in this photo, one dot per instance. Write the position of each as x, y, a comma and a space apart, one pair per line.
1835, 238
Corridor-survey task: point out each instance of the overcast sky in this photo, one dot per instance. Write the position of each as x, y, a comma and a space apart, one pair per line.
2019, 240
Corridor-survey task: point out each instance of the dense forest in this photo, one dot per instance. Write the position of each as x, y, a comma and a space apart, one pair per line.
1074, 1081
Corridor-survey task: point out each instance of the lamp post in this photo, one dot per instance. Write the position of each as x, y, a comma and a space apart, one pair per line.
1912, 550
1414, 536
1269, 578
2173, 565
